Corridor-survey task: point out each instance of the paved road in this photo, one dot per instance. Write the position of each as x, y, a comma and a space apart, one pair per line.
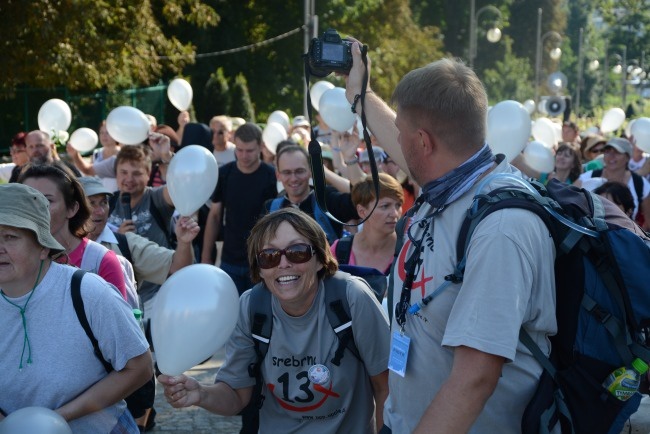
198, 421
194, 420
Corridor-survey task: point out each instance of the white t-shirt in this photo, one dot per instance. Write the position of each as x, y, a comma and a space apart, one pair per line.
225, 156
63, 361
630, 185
509, 281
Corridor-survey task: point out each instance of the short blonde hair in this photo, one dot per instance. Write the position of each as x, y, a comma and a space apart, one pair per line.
223, 120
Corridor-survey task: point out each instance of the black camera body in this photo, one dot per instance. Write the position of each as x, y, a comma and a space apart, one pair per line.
329, 54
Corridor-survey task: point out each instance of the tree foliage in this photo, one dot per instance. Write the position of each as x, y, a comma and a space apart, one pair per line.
94, 44
241, 105
511, 77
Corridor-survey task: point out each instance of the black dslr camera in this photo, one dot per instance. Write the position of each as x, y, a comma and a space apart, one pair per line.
329, 54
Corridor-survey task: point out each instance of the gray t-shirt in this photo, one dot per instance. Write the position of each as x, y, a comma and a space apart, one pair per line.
509, 281
63, 362
344, 403
146, 226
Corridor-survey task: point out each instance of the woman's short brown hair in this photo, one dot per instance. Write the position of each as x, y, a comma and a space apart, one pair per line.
266, 228
363, 193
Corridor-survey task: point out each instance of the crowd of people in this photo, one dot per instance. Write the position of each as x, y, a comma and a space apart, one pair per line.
456, 366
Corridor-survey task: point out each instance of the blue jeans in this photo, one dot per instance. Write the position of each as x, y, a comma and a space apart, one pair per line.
240, 275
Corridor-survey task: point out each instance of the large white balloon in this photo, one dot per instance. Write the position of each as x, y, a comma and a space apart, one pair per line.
191, 178
273, 134
180, 93
641, 132
544, 131
34, 420
316, 92
195, 313
280, 117
83, 139
508, 128
539, 157
530, 106
127, 125
612, 120
54, 115
335, 110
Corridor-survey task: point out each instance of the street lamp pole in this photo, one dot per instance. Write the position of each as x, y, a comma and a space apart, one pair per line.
624, 78
580, 71
538, 54
310, 31
494, 34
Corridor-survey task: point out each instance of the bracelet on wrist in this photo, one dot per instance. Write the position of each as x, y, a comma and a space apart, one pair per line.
357, 97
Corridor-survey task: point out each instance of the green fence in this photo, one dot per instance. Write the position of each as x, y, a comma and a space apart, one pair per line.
19, 110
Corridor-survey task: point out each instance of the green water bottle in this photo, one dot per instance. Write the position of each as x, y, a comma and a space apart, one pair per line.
624, 382
138, 317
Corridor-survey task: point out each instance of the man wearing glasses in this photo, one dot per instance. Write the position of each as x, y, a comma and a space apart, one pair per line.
224, 149
294, 173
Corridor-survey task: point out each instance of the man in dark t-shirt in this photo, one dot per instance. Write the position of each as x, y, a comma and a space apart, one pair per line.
243, 187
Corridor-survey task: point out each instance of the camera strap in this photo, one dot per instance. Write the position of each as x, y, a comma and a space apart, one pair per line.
316, 156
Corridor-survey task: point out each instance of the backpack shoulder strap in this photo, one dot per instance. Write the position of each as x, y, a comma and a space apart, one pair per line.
92, 257
112, 201
597, 173
123, 244
78, 303
157, 216
260, 312
323, 221
637, 180
338, 314
343, 249
276, 204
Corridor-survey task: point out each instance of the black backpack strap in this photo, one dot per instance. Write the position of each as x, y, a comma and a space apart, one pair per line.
343, 249
260, 312
160, 221
637, 180
400, 230
78, 303
338, 314
597, 173
112, 201
123, 244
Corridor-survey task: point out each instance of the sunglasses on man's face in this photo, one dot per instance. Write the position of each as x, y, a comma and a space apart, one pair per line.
597, 150
296, 253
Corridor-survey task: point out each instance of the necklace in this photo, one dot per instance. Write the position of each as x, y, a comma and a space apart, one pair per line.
26, 343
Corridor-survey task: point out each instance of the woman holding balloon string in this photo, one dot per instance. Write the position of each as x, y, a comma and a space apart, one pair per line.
47, 358
109, 149
567, 167
289, 254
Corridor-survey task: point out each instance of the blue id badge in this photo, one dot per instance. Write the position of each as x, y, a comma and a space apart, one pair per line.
399, 352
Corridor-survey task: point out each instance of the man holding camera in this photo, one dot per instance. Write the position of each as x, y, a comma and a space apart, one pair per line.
456, 365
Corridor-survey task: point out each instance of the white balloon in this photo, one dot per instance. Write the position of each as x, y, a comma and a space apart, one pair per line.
280, 117
191, 178
83, 139
34, 420
335, 110
273, 134
508, 128
127, 125
180, 93
195, 313
612, 120
541, 107
641, 132
530, 106
557, 130
54, 115
539, 157
316, 92
544, 131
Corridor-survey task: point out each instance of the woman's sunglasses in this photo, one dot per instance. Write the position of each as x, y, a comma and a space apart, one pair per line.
296, 253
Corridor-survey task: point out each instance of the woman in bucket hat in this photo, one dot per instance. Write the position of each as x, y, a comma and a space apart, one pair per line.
47, 358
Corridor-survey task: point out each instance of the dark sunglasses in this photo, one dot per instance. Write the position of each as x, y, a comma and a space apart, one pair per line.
597, 150
296, 253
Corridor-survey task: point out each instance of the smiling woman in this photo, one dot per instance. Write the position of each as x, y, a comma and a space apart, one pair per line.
310, 377
46, 355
